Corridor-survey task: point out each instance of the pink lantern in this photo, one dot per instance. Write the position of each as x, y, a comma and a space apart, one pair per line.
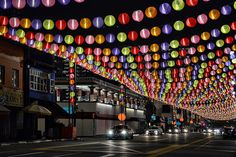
111, 65
72, 24
105, 59
79, 1
18, 4
195, 39
14, 22
89, 39
191, 50
97, 51
187, 61
202, 19
54, 47
15, 38
147, 57
39, 36
48, 3
138, 15
145, 33
144, 48
148, 65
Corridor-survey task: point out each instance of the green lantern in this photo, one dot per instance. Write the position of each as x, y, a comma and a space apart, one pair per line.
79, 50
121, 37
109, 20
220, 43
20, 33
97, 63
178, 25
235, 5
69, 39
48, 24
174, 54
225, 29
130, 59
211, 55
125, 51
133, 66
178, 5
38, 44
171, 63
90, 57
174, 44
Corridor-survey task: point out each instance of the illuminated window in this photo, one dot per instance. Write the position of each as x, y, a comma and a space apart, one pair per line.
2, 74
15, 78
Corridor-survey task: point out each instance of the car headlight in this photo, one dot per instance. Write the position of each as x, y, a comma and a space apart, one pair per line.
110, 132
123, 132
156, 132
185, 130
176, 130
169, 130
217, 130
147, 132
209, 130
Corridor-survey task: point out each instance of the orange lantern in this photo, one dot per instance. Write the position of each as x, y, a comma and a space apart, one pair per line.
121, 117
181, 119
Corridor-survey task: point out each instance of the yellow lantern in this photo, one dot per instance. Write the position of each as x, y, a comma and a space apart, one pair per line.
201, 48
85, 23
62, 48
23, 40
106, 51
151, 12
194, 59
49, 38
156, 57
154, 47
205, 35
114, 59
99, 38
155, 31
234, 47
3, 29
25, 23
214, 14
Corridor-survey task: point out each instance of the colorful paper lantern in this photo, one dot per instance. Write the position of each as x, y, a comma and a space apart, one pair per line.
151, 12
109, 20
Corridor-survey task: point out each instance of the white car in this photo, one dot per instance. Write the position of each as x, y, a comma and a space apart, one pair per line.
120, 132
154, 131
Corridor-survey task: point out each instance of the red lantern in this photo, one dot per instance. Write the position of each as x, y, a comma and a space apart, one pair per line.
121, 117
88, 51
97, 58
104, 64
192, 3
176, 79
72, 100
124, 18
140, 66
181, 119
60, 24
179, 62
46, 45
135, 50
29, 35
133, 35
182, 53
3, 20
71, 70
211, 63
219, 53
139, 58
79, 39
229, 40
185, 41
233, 26
191, 22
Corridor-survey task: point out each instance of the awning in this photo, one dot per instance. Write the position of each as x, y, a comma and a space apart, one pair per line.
37, 109
4, 109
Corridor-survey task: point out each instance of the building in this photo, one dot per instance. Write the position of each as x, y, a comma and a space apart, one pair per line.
98, 103
11, 90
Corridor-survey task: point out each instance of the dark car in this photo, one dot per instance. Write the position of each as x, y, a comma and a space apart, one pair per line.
229, 132
120, 132
174, 130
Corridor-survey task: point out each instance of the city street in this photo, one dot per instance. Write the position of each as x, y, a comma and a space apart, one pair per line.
167, 145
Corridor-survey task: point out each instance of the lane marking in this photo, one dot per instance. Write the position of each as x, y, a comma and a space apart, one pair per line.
66, 146
172, 148
64, 155
132, 150
203, 145
108, 155
98, 151
26, 154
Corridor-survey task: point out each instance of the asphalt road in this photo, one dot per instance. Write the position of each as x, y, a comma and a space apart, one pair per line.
184, 145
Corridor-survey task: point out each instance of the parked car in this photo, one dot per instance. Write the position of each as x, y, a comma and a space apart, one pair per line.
120, 132
174, 130
154, 131
229, 132
208, 130
185, 130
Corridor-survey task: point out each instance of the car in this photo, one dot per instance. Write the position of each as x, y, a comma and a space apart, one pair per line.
154, 131
174, 130
229, 132
120, 132
185, 130
217, 131
208, 131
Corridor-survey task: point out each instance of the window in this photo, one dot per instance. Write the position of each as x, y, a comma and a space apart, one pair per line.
2, 74
15, 78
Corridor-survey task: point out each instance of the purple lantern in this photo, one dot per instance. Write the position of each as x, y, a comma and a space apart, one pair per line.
165, 46
226, 10
115, 51
167, 29
165, 8
122, 59
34, 3
5, 4
64, 2
58, 38
165, 55
70, 49
215, 33
98, 22
110, 38
210, 46
36, 24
